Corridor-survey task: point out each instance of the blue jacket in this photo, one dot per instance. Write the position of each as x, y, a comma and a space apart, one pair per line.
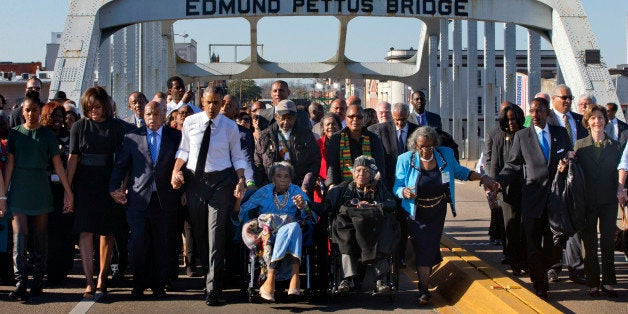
406, 175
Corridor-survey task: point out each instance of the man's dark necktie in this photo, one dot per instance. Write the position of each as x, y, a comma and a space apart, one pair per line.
202, 153
400, 146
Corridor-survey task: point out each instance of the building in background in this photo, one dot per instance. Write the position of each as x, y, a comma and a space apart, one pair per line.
186, 50
52, 49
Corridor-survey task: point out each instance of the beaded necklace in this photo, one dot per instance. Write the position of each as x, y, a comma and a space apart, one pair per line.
282, 204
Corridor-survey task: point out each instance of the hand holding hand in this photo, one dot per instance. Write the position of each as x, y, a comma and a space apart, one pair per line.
118, 196
622, 196
408, 193
239, 190
562, 165
177, 180
68, 202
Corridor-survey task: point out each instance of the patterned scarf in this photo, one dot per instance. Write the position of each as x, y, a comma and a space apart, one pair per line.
346, 162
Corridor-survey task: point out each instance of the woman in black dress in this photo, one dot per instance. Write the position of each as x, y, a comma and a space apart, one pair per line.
511, 119
93, 141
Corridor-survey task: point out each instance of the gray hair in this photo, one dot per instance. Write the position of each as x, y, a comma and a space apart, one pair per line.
235, 99
280, 165
402, 108
588, 96
425, 131
559, 87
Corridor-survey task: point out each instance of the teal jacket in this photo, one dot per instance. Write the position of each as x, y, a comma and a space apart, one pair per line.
406, 175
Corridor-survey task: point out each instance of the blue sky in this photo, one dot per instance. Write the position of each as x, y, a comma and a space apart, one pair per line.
25, 30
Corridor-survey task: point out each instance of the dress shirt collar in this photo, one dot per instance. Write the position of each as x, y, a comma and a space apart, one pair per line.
537, 130
405, 128
216, 120
560, 114
149, 132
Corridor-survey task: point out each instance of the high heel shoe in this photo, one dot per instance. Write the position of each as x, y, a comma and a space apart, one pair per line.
270, 297
294, 292
610, 292
103, 286
89, 294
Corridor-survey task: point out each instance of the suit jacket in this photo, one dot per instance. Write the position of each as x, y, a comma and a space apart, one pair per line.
128, 127
622, 135
266, 117
134, 158
305, 156
433, 119
552, 119
600, 171
526, 155
16, 118
334, 171
387, 133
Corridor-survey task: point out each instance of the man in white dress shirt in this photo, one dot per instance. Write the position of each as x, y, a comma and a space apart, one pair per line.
214, 166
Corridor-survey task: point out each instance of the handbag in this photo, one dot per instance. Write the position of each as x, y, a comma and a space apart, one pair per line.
621, 235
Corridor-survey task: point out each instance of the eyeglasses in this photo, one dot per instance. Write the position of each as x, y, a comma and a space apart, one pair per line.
355, 117
426, 149
565, 97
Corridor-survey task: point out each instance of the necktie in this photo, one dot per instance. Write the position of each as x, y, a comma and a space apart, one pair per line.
152, 146
420, 119
400, 146
568, 127
202, 153
544, 145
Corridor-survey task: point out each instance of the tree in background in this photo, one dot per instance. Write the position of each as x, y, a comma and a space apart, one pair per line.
245, 90
300, 92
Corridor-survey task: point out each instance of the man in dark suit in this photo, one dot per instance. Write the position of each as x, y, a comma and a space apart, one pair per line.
615, 127
279, 91
148, 156
537, 151
137, 102
422, 117
288, 141
561, 115
394, 135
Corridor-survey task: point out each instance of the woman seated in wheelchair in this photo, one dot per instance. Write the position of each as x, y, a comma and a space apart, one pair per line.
364, 226
280, 208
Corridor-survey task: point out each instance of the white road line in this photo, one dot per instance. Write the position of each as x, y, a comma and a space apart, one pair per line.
85, 304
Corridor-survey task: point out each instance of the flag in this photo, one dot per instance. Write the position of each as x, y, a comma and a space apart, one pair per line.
522, 92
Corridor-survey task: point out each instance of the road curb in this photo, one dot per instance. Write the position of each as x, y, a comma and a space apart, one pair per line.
465, 284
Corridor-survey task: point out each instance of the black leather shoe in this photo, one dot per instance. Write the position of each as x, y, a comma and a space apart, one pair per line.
159, 293
610, 293
117, 275
579, 279
212, 298
137, 294
543, 295
517, 272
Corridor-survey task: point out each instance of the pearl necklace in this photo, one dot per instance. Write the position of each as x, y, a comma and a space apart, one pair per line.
283, 203
427, 160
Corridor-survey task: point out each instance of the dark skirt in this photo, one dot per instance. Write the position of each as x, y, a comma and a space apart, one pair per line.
95, 211
426, 229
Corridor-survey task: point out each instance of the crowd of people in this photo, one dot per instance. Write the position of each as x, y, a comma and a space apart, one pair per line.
128, 190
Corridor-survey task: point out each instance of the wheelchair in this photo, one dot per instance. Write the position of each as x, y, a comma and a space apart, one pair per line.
254, 268
391, 277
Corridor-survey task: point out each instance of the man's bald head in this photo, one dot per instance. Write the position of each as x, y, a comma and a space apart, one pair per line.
354, 100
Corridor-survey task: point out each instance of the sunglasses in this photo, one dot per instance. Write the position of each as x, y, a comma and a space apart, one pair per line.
565, 97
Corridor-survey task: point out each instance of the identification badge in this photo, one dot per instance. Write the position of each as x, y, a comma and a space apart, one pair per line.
445, 177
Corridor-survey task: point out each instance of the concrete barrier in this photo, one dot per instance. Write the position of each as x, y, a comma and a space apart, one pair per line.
465, 284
